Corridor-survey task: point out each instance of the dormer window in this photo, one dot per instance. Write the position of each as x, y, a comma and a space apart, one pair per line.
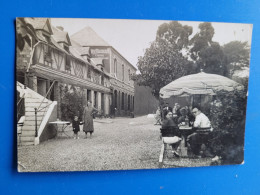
47, 38
66, 48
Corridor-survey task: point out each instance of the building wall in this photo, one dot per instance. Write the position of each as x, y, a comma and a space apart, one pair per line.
119, 71
144, 103
101, 52
120, 81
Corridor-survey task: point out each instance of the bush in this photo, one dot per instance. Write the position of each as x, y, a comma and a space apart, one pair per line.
227, 113
72, 102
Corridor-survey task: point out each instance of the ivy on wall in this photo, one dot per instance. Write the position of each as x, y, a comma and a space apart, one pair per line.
72, 102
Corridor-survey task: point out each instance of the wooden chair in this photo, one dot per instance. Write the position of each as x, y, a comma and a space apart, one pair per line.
169, 136
203, 136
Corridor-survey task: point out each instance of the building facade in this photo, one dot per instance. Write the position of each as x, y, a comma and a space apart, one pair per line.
50, 60
118, 68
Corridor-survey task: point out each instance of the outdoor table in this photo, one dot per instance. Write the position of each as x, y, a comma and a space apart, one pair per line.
63, 124
185, 131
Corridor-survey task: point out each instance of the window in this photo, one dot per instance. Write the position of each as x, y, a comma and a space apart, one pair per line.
95, 99
123, 101
47, 50
128, 102
123, 72
47, 38
102, 79
89, 72
129, 75
115, 67
66, 48
67, 63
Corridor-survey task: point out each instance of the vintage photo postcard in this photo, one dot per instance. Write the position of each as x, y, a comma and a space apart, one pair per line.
101, 94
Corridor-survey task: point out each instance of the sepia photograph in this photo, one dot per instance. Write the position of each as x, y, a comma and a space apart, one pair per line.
118, 94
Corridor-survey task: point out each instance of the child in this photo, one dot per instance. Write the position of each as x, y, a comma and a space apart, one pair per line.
75, 127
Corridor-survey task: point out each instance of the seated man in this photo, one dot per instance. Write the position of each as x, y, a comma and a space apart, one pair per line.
170, 129
198, 142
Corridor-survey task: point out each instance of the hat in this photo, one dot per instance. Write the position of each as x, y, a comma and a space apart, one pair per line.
184, 111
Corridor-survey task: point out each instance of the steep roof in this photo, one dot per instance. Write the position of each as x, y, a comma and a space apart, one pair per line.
74, 43
60, 36
88, 37
40, 24
83, 50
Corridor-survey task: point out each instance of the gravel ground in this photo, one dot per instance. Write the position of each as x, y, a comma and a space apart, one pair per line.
121, 143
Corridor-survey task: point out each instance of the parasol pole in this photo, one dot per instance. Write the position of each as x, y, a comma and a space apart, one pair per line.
192, 101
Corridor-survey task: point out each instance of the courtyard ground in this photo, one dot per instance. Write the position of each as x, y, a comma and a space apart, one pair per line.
117, 144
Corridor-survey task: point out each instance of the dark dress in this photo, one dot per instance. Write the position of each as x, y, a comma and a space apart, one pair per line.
88, 119
75, 126
169, 128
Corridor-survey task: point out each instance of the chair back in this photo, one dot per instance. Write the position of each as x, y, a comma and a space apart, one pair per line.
170, 132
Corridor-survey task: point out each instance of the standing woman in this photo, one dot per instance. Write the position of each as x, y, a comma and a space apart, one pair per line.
88, 126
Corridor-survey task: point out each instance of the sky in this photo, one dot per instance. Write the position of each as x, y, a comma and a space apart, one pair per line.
132, 37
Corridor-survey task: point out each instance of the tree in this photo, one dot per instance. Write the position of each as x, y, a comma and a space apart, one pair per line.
207, 53
165, 60
237, 55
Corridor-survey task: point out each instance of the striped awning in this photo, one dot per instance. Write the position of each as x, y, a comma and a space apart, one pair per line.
199, 84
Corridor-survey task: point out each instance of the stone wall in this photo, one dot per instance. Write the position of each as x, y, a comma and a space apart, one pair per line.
144, 102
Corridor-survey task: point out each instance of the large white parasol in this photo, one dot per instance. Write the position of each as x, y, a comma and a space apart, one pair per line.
199, 84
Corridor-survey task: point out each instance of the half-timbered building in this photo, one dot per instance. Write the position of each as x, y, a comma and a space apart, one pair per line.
47, 61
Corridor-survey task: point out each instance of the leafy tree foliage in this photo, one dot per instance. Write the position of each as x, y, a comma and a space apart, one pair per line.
237, 52
164, 61
207, 54
237, 60
174, 54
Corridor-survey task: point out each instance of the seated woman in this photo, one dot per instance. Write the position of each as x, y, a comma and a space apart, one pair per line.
184, 116
170, 129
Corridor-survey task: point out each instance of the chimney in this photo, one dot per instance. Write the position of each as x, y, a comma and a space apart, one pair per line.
60, 28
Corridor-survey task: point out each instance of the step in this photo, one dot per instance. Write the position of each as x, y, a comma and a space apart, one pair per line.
26, 143
35, 105
29, 128
32, 109
36, 100
27, 114
27, 139
28, 133
32, 118
31, 123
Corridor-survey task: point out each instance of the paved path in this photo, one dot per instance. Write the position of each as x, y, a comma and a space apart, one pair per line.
120, 143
